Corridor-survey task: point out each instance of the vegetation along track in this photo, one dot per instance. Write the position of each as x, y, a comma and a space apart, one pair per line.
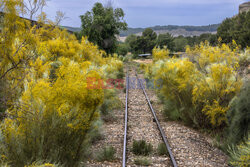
140, 124
189, 147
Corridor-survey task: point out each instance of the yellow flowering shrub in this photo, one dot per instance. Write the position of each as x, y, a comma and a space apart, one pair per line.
49, 112
199, 85
240, 156
41, 165
160, 54
51, 109
177, 79
215, 90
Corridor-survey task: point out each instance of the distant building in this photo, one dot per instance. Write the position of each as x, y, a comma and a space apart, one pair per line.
245, 7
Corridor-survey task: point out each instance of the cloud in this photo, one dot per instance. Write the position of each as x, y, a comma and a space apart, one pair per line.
162, 3
149, 12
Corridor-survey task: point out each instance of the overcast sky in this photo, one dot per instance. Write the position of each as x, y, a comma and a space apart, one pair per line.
145, 13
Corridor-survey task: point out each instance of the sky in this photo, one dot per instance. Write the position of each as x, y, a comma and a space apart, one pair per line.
146, 13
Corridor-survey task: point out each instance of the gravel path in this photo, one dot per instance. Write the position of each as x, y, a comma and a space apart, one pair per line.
142, 127
112, 136
189, 147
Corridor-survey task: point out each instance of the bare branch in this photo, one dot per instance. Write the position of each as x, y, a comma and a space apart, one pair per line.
60, 16
10, 69
33, 6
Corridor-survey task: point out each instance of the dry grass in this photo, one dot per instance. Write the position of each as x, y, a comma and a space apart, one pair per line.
144, 61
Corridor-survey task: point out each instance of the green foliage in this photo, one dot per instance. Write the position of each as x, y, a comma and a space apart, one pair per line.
49, 139
240, 155
147, 40
236, 28
140, 147
126, 58
123, 49
2, 97
166, 40
95, 133
106, 154
144, 43
142, 161
35, 164
171, 110
131, 41
111, 102
238, 117
197, 89
180, 43
52, 114
102, 24
42, 164
162, 149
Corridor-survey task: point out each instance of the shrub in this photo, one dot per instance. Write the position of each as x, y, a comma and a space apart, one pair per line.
2, 97
40, 164
123, 49
160, 54
142, 161
171, 111
238, 117
107, 154
240, 155
52, 120
197, 88
162, 149
110, 103
141, 147
51, 111
95, 133
178, 78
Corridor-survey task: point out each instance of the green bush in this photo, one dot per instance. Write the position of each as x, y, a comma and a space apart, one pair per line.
49, 140
120, 74
106, 154
35, 164
142, 161
240, 155
162, 149
171, 110
238, 117
110, 103
123, 49
95, 133
141, 147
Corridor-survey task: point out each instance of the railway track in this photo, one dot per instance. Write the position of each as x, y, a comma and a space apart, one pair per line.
156, 122
190, 147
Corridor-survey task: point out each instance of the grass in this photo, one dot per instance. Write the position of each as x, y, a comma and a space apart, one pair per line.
162, 149
106, 154
141, 147
142, 161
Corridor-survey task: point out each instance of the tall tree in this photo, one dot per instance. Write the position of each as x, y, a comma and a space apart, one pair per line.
131, 41
102, 25
236, 28
180, 43
165, 40
148, 40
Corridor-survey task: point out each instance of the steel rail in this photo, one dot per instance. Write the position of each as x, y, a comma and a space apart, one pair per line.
125, 123
158, 124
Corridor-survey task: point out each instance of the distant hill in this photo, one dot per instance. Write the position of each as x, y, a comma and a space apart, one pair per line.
175, 30
73, 29
172, 29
